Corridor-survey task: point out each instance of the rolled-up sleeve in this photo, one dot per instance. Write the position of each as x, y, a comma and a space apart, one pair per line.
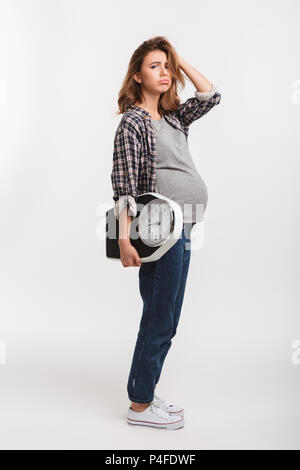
196, 107
124, 201
205, 95
125, 168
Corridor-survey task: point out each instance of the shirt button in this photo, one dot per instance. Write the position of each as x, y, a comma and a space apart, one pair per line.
125, 173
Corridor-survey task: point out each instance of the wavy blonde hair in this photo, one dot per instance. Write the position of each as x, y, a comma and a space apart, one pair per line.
131, 92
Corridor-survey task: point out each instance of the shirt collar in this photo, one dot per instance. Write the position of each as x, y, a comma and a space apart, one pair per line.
146, 115
141, 111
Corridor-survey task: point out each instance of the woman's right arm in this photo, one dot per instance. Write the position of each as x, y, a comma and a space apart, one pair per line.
128, 254
124, 177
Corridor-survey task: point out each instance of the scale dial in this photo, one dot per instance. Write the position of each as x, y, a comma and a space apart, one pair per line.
155, 222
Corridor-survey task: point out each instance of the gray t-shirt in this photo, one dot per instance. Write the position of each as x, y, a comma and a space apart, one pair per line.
176, 175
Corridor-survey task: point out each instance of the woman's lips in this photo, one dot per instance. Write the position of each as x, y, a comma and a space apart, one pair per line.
164, 81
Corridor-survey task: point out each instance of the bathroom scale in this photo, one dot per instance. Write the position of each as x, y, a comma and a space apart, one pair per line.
153, 231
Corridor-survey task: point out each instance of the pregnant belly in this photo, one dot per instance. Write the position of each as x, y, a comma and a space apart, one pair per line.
188, 190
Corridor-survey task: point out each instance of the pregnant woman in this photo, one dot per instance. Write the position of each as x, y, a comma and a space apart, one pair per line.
151, 154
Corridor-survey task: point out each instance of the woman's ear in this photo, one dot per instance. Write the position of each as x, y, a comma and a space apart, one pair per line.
136, 77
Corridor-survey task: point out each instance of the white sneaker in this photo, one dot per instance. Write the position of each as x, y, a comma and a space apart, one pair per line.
170, 408
156, 417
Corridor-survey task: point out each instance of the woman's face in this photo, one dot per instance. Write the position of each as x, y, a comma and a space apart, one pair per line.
155, 76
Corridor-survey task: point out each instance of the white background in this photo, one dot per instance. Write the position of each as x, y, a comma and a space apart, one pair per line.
69, 316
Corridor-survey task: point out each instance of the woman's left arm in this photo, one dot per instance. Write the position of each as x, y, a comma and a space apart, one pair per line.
200, 82
206, 95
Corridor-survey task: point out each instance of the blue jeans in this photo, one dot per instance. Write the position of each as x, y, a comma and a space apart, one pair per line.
162, 285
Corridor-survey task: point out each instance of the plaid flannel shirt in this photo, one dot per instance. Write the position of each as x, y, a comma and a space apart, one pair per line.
134, 156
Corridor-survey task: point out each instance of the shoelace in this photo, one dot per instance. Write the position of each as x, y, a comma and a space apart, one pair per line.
157, 409
161, 403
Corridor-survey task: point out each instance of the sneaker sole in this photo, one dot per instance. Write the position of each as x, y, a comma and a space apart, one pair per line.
180, 413
177, 425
